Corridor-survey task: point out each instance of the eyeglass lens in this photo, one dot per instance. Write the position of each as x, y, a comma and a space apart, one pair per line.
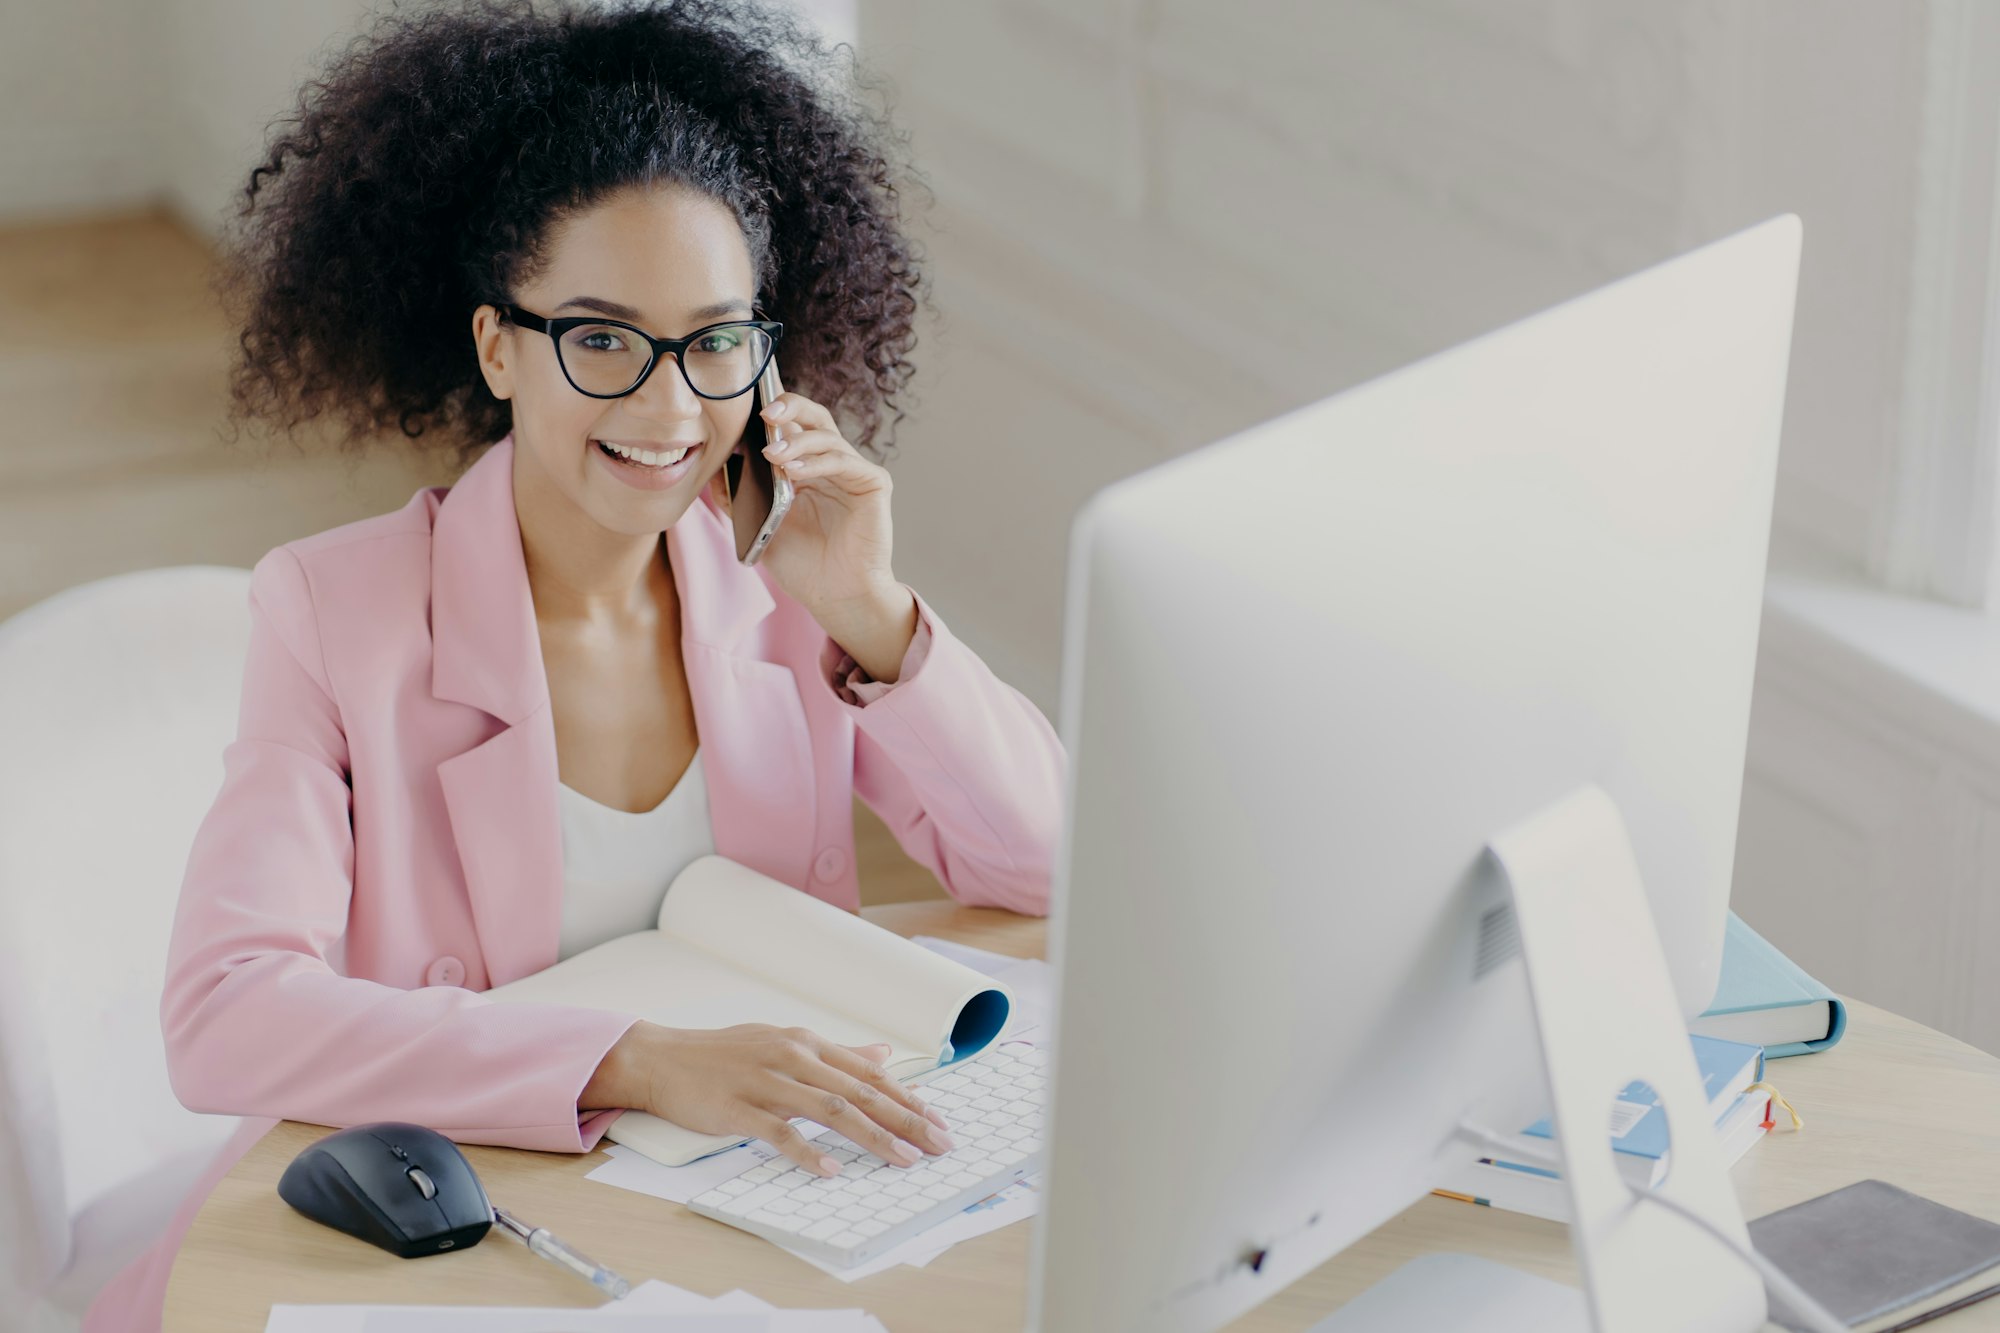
607, 359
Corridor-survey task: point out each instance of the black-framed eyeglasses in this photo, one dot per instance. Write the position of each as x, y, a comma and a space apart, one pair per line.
607, 358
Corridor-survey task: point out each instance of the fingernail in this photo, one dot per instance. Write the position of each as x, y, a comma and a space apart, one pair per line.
935, 1118
942, 1140
776, 447
906, 1154
830, 1165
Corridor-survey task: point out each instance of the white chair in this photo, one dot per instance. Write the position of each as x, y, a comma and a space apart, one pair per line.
117, 698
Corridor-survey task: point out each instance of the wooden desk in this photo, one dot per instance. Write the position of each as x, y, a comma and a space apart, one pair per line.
1894, 1100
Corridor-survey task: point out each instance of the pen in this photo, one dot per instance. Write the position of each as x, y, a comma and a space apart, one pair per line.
541, 1242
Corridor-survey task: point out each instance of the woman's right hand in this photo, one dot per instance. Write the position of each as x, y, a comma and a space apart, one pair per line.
754, 1078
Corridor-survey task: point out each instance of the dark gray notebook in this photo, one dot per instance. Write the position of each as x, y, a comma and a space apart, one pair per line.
1871, 1248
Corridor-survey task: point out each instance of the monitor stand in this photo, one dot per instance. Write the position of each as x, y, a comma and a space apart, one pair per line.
1606, 1013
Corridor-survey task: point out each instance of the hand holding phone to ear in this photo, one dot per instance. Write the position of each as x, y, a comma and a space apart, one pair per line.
832, 552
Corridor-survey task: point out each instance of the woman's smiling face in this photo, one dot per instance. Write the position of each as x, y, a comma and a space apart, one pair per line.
679, 261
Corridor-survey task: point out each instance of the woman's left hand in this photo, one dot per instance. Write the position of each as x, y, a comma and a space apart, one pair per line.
831, 553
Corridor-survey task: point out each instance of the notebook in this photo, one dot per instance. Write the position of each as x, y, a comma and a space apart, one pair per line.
1871, 1249
736, 946
1765, 998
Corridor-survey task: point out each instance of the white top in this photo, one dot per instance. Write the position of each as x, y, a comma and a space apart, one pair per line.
617, 864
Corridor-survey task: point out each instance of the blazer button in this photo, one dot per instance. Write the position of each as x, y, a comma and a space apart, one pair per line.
446, 971
830, 864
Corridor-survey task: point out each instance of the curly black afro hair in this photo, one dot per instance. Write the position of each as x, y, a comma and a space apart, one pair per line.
424, 175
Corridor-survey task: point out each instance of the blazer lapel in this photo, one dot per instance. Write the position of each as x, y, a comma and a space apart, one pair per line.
502, 796
504, 818
756, 745
486, 651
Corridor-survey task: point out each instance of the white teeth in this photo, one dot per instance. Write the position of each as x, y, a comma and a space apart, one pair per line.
647, 456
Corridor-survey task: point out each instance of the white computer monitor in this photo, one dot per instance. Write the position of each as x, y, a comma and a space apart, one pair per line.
1310, 673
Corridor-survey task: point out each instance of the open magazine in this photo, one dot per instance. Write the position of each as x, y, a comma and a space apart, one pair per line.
736, 946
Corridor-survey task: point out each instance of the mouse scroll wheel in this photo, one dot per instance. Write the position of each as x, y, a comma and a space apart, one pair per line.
422, 1182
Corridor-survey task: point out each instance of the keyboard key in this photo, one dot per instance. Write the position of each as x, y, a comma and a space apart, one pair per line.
892, 1216
845, 1240
943, 1192
757, 1198
821, 1230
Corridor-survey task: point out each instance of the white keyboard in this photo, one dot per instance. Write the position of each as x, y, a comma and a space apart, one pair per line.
993, 1103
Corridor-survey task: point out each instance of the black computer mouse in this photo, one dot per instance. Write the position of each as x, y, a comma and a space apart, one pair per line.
401, 1186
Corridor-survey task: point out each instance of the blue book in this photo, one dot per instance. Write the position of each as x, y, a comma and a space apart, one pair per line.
1539, 1193
1766, 998
1638, 1126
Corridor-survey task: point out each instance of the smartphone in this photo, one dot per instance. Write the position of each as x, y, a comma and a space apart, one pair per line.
759, 496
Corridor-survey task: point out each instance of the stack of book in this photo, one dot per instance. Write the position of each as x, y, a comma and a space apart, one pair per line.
1638, 1132
1766, 1006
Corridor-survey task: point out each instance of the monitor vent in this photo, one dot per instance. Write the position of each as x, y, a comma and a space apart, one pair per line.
1499, 939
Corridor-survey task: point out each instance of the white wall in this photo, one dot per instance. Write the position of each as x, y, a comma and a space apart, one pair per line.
110, 105
77, 87
1161, 220
1279, 199
107, 105
231, 68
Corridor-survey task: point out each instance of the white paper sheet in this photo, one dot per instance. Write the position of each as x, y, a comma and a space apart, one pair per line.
630, 1169
677, 1184
650, 1307
1017, 1201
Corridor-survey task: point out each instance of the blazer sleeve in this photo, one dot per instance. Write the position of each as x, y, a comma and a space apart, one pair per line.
963, 768
257, 1020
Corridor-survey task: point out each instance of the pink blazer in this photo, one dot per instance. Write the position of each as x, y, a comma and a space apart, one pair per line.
387, 842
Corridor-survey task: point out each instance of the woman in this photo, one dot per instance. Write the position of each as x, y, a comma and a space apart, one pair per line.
484, 731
